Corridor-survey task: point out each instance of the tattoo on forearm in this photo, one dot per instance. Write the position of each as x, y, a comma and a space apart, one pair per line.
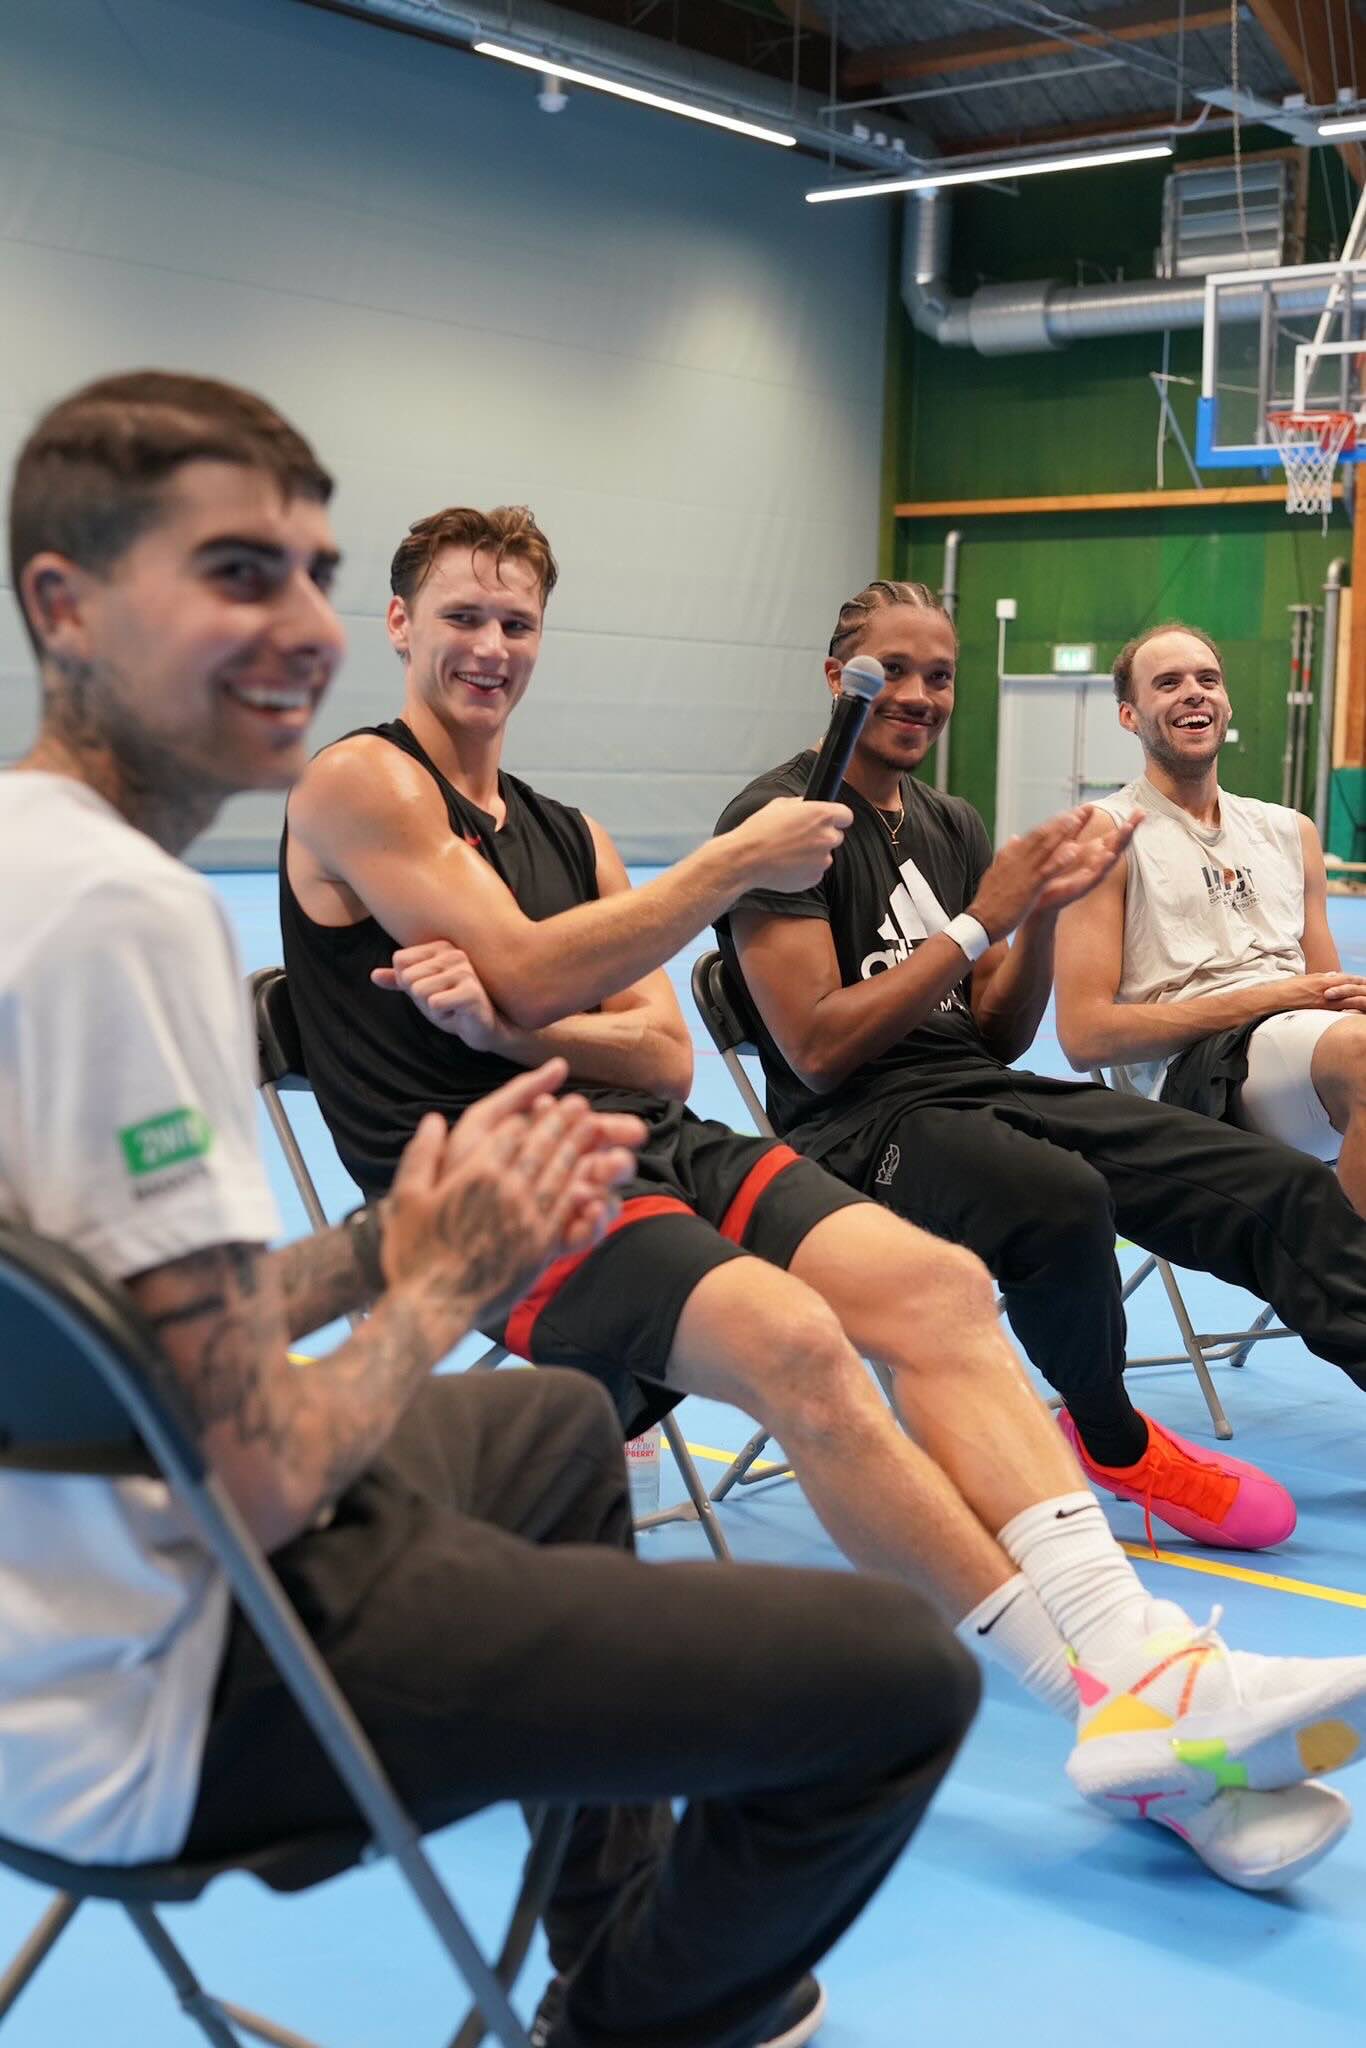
325, 1420
320, 1278
226, 1318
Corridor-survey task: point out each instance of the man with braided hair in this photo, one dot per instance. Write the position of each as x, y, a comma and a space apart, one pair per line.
891, 999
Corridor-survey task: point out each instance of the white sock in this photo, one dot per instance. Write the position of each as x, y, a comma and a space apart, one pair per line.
1010, 1628
1086, 1585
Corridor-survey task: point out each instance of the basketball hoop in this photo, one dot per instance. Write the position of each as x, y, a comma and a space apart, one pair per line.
1309, 444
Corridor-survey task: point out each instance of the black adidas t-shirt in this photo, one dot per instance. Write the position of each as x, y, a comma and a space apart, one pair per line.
874, 922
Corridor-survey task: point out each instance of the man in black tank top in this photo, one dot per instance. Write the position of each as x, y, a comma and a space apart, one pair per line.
445, 924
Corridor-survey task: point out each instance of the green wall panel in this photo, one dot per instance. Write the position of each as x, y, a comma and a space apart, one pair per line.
1103, 577
1085, 419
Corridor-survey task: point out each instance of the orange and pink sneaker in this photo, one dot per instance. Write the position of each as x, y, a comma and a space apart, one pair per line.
1206, 1495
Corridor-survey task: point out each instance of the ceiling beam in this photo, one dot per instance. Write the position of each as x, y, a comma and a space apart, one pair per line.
749, 37
806, 14
1014, 45
1321, 49
1070, 131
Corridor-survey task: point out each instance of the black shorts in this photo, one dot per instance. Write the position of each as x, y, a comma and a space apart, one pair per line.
613, 1311
1208, 1076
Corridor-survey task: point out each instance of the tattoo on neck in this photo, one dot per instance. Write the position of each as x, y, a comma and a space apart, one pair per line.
87, 733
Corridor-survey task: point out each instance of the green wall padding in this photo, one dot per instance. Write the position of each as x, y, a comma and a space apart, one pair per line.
1347, 814
1085, 419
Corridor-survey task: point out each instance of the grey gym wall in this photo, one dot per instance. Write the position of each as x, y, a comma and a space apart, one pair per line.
629, 322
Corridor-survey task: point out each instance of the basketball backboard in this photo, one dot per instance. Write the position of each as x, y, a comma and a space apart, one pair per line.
1278, 341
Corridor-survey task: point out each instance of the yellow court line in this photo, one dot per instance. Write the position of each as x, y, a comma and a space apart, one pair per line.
1305, 1588
728, 1457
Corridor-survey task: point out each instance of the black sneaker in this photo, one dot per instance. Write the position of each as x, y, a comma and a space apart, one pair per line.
800, 2017
797, 2022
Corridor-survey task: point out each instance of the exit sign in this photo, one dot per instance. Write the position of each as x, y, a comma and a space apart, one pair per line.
1074, 658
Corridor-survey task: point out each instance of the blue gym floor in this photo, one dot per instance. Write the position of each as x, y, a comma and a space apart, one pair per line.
1020, 1916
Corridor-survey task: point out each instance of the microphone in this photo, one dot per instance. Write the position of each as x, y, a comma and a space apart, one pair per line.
860, 681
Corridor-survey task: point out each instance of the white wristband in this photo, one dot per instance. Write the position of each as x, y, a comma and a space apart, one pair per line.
968, 935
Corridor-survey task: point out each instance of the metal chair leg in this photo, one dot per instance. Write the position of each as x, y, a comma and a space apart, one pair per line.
195, 2001
549, 1841
1239, 1357
1223, 1429
735, 1472
1137, 1277
701, 1508
42, 1940
294, 1158
248, 2022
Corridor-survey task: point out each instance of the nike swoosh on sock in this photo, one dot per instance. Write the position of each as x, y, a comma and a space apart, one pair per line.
984, 1629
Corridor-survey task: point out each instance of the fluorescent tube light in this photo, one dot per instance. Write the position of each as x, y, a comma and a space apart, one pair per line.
569, 76
981, 174
1344, 124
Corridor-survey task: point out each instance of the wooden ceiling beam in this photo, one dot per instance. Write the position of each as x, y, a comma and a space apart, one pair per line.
1078, 131
805, 14
982, 48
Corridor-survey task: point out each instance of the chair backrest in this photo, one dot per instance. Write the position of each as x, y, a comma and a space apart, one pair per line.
725, 1010
56, 1412
279, 1048
70, 1336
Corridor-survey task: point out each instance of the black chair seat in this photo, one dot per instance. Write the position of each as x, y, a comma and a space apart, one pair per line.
291, 1866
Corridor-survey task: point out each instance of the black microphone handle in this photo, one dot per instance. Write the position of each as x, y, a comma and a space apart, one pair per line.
841, 737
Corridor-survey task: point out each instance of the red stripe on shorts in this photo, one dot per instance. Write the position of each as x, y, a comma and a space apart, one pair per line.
760, 1177
521, 1324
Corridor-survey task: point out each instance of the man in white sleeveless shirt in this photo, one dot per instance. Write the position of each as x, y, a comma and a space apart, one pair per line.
1204, 965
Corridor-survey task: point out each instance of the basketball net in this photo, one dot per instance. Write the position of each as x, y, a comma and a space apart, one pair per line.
1309, 444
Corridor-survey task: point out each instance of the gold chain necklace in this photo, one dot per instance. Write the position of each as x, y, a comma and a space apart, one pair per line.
893, 831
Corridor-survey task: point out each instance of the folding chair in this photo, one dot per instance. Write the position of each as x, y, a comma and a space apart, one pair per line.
85, 1390
280, 1061
1201, 1349
725, 1011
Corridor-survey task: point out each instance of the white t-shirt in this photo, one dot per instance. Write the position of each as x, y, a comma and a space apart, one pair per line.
127, 1129
1207, 909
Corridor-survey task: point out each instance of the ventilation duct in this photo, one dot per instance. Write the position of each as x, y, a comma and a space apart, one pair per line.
1019, 319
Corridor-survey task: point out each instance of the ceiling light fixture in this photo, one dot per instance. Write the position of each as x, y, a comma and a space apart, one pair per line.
1344, 124
567, 76
981, 174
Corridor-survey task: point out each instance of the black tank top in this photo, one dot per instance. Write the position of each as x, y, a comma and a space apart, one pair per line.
376, 1064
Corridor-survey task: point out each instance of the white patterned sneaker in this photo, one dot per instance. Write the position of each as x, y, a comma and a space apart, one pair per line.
1257, 1840
1182, 1713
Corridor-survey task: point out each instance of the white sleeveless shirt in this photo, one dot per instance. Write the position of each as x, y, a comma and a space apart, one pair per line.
1207, 910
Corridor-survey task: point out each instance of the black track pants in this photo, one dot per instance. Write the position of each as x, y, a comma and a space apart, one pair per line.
477, 1598
1037, 1176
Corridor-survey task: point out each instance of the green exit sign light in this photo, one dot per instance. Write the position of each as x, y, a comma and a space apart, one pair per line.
1074, 658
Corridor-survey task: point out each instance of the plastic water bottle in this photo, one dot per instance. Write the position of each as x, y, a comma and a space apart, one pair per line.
642, 1465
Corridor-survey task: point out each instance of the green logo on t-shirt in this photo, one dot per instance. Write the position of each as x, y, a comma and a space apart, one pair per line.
167, 1140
